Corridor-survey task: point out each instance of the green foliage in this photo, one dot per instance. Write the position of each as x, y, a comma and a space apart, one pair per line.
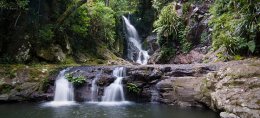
171, 33
78, 23
167, 24
251, 46
238, 57
102, 22
159, 4
14, 4
122, 7
46, 33
131, 87
222, 57
5, 88
186, 7
235, 25
44, 84
76, 80
166, 53
185, 44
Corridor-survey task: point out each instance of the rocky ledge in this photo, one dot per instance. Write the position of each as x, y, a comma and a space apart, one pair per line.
230, 88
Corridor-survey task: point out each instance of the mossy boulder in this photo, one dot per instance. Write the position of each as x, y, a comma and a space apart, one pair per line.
53, 53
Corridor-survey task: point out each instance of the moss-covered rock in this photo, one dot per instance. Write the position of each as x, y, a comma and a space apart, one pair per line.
26, 82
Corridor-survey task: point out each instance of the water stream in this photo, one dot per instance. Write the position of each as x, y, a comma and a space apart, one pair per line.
94, 88
135, 52
64, 91
114, 93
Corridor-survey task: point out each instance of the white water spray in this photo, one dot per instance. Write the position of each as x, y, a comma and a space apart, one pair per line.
134, 45
114, 92
64, 91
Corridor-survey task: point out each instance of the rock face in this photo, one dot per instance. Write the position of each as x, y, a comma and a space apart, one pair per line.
235, 90
24, 83
231, 88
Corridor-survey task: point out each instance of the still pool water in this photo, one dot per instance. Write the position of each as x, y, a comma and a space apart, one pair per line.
87, 110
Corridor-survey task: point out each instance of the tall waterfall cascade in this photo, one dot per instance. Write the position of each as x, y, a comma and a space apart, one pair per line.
135, 51
64, 91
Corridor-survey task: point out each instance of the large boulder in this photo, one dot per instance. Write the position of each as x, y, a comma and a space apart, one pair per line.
53, 53
236, 90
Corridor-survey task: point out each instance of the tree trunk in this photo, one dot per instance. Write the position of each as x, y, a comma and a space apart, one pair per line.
107, 3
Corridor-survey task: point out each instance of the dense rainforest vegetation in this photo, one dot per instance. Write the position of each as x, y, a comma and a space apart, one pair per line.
92, 31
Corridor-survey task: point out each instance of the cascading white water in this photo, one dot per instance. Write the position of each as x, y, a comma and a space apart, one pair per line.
64, 91
94, 88
114, 92
134, 45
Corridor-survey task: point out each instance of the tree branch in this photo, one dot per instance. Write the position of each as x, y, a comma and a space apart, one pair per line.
69, 11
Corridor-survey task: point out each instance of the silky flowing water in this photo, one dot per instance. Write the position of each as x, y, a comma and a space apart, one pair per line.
135, 45
86, 110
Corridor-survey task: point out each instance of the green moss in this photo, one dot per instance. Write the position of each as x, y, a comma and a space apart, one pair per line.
238, 57
221, 57
234, 83
69, 60
258, 102
44, 84
252, 86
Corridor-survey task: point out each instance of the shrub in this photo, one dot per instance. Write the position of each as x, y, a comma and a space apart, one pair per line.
46, 33
75, 80
131, 87
235, 25
171, 33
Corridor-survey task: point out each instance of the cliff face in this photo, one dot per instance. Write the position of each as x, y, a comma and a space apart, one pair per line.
231, 88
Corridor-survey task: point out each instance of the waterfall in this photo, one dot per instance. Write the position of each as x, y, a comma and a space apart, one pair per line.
64, 91
135, 52
114, 92
94, 88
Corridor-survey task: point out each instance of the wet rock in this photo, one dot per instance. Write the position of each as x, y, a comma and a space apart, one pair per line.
152, 43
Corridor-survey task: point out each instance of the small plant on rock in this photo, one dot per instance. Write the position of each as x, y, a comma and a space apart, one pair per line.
131, 87
75, 80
